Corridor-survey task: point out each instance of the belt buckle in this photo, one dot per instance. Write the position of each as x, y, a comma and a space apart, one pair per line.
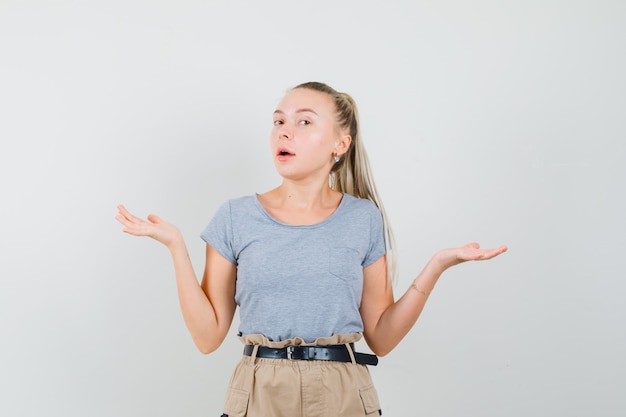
289, 351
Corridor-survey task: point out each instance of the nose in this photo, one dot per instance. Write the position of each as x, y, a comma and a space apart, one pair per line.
284, 132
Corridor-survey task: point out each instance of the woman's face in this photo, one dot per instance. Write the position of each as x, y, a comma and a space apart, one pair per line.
305, 134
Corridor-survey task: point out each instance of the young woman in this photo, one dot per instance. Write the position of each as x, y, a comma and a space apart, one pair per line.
309, 265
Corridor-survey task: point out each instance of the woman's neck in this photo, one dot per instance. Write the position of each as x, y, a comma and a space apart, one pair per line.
300, 205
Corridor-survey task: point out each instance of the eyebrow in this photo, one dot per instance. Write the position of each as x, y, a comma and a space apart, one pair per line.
298, 111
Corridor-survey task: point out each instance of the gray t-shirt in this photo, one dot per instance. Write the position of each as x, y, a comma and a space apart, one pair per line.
298, 281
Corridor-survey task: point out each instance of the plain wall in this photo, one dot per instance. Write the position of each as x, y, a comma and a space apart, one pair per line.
500, 122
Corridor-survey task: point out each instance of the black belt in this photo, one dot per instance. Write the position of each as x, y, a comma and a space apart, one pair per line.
313, 353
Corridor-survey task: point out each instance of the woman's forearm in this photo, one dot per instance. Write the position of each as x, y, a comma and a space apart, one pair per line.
207, 317
399, 317
196, 307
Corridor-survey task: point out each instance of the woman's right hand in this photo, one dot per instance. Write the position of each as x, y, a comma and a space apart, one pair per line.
154, 227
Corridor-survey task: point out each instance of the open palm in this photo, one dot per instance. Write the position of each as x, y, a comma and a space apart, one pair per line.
153, 227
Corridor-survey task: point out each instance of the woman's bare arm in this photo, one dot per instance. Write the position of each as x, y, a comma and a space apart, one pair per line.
387, 322
207, 308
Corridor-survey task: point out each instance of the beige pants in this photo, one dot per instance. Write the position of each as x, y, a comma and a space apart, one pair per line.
262, 387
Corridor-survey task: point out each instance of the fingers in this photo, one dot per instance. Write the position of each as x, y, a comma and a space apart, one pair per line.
153, 227
127, 214
491, 253
122, 211
132, 224
472, 252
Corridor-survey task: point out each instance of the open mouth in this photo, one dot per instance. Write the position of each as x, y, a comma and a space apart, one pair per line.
284, 152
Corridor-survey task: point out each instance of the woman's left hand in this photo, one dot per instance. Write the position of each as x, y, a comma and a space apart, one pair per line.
469, 252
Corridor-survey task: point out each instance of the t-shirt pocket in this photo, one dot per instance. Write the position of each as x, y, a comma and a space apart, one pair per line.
345, 263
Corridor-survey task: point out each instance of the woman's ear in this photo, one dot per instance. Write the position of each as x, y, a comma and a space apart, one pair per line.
343, 144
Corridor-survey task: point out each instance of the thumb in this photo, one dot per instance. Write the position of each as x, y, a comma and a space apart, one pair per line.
153, 218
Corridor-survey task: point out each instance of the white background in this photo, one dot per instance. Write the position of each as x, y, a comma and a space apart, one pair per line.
496, 121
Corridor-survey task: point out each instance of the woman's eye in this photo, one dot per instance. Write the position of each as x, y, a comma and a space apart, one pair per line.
278, 122
305, 122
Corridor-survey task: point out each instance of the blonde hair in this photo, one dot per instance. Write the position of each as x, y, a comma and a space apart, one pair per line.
352, 173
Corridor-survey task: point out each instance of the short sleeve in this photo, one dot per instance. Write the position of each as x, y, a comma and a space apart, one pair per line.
219, 232
377, 238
